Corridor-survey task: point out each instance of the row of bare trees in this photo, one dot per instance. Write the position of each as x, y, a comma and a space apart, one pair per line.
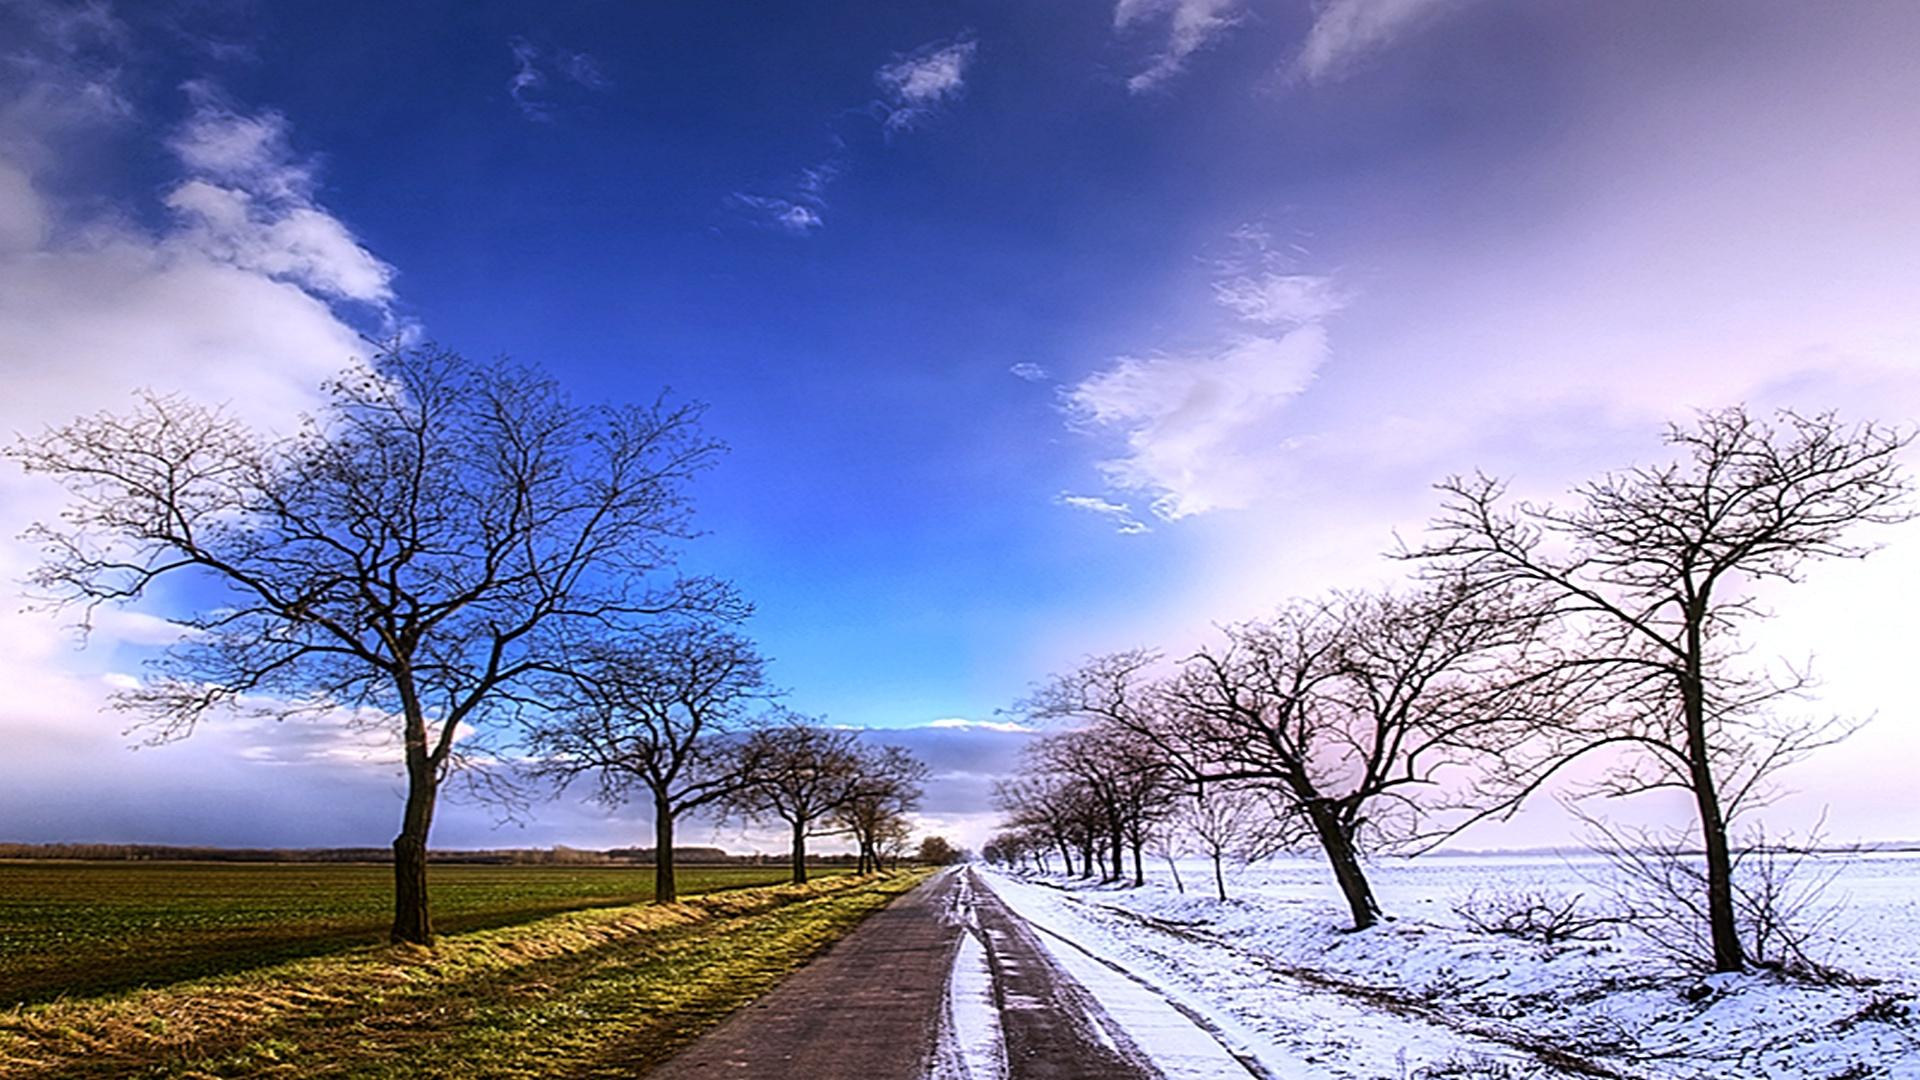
458, 553
1531, 636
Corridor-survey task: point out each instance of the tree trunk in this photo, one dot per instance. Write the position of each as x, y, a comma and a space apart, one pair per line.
1219, 879
1174, 869
1338, 845
1086, 859
1139, 870
665, 890
1066, 857
411, 921
1119, 852
1728, 953
799, 854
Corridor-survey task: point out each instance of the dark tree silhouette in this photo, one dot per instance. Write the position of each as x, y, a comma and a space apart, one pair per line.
1351, 712
417, 554
802, 774
658, 709
887, 790
1651, 574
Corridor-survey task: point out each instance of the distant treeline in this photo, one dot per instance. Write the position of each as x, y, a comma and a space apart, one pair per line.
555, 856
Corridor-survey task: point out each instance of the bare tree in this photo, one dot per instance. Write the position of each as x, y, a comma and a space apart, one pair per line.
886, 790
1351, 712
1240, 821
1124, 777
655, 709
1651, 575
417, 552
1053, 812
801, 774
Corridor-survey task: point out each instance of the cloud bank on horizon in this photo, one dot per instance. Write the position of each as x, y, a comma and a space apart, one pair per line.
1261, 273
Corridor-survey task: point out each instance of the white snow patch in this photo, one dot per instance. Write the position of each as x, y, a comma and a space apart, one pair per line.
1615, 1000
972, 1046
1291, 1031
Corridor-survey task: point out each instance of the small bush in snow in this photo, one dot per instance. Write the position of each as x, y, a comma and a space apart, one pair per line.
1532, 916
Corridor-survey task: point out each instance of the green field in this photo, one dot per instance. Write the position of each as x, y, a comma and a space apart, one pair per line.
598, 992
79, 928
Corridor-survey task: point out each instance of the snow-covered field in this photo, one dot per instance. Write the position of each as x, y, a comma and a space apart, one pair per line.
1422, 997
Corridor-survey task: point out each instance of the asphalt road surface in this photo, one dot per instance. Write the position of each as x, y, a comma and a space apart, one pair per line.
873, 1006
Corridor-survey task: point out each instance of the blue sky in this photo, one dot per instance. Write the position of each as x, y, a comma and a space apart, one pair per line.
1036, 329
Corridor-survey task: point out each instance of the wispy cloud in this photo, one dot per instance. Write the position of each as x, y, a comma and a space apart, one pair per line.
1120, 513
797, 218
1029, 371
1200, 424
914, 86
1190, 25
1197, 425
531, 77
1344, 31
1277, 299
249, 201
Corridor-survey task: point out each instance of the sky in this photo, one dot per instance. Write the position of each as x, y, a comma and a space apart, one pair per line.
1035, 330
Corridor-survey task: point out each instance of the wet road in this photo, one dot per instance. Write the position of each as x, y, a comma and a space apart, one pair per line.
876, 1005
869, 1008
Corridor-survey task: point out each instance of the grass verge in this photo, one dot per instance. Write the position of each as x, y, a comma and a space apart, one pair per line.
603, 992
81, 929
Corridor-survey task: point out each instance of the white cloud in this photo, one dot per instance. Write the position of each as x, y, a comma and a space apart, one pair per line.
913, 87
1199, 427
230, 302
1120, 513
919, 83
249, 202
956, 723
1280, 299
1191, 25
1343, 31
1029, 371
527, 79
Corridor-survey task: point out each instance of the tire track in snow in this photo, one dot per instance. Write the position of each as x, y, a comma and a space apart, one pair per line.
1051, 998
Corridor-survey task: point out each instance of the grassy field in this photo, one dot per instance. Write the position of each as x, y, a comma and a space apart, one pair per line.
603, 992
78, 928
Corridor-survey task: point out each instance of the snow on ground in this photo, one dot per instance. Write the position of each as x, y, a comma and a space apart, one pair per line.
1423, 997
1179, 1047
971, 1045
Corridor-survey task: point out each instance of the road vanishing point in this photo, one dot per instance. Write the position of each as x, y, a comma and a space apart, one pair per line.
949, 983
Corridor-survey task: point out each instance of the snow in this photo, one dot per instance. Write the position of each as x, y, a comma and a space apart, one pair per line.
1180, 1047
971, 1045
1424, 996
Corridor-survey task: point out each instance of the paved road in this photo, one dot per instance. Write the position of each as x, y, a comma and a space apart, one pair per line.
868, 1008
872, 1007
1052, 1027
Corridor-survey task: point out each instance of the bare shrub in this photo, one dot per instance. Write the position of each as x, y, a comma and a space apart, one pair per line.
1780, 904
1534, 915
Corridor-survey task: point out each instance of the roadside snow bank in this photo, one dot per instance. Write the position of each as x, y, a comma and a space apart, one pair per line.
1423, 996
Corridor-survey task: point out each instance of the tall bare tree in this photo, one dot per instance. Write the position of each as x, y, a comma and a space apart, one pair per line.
802, 774
1232, 819
1651, 573
887, 789
1350, 712
658, 709
1358, 710
420, 550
